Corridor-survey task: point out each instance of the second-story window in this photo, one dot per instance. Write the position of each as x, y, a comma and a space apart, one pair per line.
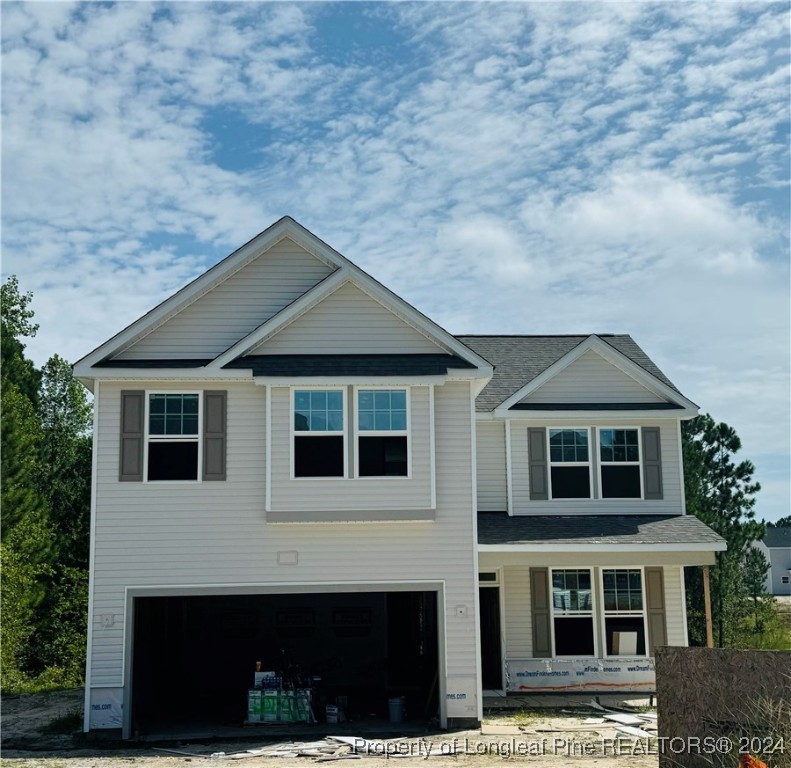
319, 433
173, 436
382, 443
569, 463
619, 454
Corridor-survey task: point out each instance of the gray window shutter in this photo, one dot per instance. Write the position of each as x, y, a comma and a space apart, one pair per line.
652, 463
539, 603
537, 462
133, 413
214, 434
655, 608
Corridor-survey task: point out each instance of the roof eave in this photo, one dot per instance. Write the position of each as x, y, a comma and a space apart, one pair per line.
536, 547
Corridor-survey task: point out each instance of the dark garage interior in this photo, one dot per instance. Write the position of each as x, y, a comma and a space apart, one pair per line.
194, 656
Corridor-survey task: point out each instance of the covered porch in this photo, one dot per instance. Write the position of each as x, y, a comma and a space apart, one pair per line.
574, 604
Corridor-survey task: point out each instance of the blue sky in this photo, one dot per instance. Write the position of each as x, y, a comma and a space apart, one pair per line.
505, 167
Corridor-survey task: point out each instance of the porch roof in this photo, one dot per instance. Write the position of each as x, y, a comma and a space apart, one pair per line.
499, 531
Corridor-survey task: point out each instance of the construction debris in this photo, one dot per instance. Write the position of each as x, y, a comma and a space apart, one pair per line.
624, 719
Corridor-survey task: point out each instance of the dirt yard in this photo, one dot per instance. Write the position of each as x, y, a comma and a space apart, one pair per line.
43, 731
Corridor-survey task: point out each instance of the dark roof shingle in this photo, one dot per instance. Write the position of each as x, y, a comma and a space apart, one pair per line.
777, 536
517, 360
349, 365
500, 528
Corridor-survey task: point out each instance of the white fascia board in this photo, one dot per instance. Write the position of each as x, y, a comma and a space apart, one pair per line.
542, 416
342, 381
284, 227
482, 376
168, 374
287, 315
582, 548
611, 355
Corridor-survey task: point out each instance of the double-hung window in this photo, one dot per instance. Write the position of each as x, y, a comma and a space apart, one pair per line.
173, 436
319, 428
619, 460
569, 463
572, 612
382, 429
624, 614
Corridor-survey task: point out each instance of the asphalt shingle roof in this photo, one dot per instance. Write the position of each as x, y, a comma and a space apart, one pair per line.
517, 360
777, 536
349, 365
499, 528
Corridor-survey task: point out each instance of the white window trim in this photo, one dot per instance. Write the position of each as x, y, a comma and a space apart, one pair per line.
357, 433
293, 433
173, 438
576, 614
605, 614
588, 464
638, 464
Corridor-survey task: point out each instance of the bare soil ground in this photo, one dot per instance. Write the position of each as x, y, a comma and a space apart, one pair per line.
547, 739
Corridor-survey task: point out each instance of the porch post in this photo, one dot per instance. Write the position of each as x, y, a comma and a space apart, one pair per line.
707, 604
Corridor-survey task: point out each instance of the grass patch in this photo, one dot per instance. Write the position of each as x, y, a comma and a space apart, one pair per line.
772, 634
63, 725
523, 717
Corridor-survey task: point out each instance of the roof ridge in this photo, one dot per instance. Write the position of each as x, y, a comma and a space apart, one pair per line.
537, 335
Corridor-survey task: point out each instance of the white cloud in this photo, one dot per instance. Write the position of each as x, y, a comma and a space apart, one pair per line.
544, 167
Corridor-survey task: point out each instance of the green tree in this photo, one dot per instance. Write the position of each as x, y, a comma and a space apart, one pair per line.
721, 492
783, 522
754, 570
15, 318
21, 436
26, 570
65, 467
45, 494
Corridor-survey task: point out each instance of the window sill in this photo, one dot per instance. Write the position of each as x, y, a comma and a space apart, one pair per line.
353, 516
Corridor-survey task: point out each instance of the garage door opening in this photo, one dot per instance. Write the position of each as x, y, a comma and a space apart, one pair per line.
194, 657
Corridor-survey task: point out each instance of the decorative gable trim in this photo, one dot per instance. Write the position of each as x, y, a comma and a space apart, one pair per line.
285, 317
612, 356
284, 227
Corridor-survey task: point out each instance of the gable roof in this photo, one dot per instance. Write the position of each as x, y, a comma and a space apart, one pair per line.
778, 536
284, 227
519, 360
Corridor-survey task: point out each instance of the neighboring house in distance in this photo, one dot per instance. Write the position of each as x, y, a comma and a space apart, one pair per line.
294, 466
776, 547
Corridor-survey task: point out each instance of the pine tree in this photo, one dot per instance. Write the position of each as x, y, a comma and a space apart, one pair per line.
720, 492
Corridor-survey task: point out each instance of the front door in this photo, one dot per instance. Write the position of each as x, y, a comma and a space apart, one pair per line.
491, 652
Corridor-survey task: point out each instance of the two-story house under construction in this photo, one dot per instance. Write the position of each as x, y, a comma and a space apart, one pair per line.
294, 466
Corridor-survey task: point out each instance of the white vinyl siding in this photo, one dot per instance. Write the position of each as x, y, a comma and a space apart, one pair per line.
518, 628
159, 534
671, 478
591, 379
674, 614
234, 308
518, 618
337, 493
348, 321
492, 493
780, 560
